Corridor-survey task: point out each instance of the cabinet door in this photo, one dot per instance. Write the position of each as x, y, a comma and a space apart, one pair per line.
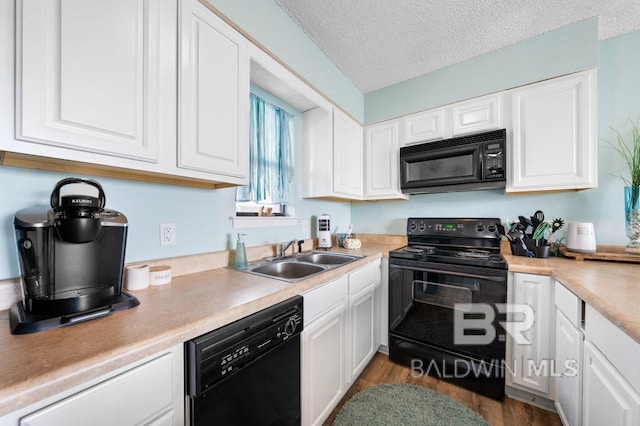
143, 395
382, 161
213, 94
568, 366
347, 155
478, 115
607, 397
531, 360
323, 363
88, 76
424, 126
554, 139
362, 328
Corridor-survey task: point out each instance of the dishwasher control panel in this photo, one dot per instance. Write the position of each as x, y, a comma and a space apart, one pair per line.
219, 354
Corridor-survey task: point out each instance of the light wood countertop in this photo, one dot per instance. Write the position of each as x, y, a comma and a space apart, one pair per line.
39, 365
612, 288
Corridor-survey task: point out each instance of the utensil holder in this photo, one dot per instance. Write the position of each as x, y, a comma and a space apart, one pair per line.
539, 248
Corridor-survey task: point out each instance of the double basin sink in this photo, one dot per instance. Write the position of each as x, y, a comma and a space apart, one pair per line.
299, 266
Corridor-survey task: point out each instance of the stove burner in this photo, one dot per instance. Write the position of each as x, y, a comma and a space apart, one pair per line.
421, 249
475, 254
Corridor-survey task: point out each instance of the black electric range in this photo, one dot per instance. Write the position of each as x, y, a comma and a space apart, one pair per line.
449, 275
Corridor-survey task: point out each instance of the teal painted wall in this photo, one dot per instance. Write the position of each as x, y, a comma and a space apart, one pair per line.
565, 50
201, 216
266, 22
618, 100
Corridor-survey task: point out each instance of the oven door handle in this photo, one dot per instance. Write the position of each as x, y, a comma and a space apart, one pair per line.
440, 271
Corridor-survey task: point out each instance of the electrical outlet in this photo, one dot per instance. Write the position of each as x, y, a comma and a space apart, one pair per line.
167, 234
305, 225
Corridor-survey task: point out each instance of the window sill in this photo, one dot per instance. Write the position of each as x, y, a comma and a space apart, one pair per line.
262, 222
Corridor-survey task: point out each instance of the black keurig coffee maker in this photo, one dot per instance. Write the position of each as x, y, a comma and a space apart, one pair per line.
71, 260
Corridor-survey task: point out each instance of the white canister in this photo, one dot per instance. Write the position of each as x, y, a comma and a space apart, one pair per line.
581, 238
160, 274
137, 277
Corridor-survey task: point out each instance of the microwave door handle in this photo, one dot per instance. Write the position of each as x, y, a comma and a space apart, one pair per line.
440, 271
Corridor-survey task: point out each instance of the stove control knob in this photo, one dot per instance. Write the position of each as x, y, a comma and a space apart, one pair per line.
412, 227
422, 227
491, 228
480, 228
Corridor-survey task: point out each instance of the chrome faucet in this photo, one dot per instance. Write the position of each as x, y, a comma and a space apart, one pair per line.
284, 247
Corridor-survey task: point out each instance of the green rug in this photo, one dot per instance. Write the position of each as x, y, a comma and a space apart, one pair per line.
403, 404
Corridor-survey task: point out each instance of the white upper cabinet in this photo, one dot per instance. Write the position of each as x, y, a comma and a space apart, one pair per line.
332, 155
381, 162
478, 115
472, 116
88, 77
214, 95
347, 155
424, 126
554, 138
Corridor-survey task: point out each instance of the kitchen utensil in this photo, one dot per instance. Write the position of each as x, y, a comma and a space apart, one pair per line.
540, 230
526, 224
557, 224
537, 219
581, 237
519, 236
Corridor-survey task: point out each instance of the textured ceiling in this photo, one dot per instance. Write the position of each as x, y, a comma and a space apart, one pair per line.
377, 43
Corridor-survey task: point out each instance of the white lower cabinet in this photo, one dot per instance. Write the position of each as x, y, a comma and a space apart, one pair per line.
364, 318
608, 399
149, 392
529, 359
568, 362
568, 355
324, 350
341, 334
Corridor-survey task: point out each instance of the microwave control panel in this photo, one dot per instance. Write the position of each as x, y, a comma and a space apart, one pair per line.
493, 161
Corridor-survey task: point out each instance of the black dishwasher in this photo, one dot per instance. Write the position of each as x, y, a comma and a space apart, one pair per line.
247, 372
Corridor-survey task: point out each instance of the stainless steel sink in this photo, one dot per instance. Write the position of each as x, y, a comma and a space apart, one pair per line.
299, 266
326, 258
287, 269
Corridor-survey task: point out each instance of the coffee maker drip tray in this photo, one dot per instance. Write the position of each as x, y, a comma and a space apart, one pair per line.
22, 322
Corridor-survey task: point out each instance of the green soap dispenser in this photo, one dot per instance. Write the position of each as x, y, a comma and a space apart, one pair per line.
241, 254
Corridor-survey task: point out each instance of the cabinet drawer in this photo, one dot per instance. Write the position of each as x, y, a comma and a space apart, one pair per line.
127, 399
320, 299
621, 350
364, 276
568, 303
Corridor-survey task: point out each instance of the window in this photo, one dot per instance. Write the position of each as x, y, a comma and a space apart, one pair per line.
271, 160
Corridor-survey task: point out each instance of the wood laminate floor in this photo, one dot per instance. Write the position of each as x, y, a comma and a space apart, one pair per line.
507, 413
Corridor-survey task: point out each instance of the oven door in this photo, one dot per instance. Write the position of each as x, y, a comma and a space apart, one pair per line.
448, 307
421, 167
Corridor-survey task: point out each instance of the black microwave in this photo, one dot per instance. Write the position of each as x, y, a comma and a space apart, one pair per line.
463, 163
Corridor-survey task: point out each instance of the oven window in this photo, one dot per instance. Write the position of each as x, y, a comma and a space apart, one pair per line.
437, 294
421, 308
